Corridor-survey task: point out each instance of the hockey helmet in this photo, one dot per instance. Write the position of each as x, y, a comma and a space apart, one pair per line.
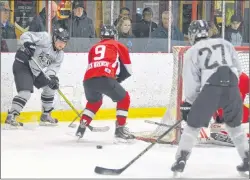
108, 31
198, 29
61, 34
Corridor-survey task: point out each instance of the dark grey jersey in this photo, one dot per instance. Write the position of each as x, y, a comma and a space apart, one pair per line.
49, 59
202, 60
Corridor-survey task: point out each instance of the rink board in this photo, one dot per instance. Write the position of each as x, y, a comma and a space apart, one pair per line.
149, 87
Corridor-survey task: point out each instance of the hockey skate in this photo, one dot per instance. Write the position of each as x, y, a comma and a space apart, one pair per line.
179, 165
81, 130
11, 122
244, 167
47, 120
122, 134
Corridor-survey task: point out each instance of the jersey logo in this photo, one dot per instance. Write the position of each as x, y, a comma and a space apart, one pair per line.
45, 59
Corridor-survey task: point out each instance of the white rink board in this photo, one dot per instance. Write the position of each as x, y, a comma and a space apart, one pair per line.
148, 87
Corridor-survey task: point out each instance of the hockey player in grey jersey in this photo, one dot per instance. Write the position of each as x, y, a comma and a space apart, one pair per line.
48, 51
210, 76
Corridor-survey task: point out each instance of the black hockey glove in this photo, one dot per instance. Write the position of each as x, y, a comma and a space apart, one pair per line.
185, 108
54, 82
30, 48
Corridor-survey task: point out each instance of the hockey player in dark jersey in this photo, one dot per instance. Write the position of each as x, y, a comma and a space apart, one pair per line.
48, 52
210, 76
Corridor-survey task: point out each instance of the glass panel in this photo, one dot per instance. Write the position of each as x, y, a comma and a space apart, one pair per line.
246, 22
142, 25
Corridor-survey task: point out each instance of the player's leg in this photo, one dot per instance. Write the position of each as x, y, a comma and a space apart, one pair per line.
119, 95
199, 116
24, 85
94, 102
233, 120
47, 99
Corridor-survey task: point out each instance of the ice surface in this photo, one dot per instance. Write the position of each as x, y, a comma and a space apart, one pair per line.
50, 152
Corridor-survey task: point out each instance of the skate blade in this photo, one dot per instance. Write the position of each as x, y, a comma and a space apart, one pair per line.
10, 127
48, 124
123, 141
244, 174
177, 174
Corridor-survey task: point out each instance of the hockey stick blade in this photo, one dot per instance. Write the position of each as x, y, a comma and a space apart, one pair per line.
156, 123
107, 171
93, 129
98, 129
159, 124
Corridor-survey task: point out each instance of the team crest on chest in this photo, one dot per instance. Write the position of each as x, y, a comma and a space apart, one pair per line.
45, 59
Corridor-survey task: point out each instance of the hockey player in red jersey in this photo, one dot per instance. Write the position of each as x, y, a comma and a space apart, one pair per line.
108, 65
244, 90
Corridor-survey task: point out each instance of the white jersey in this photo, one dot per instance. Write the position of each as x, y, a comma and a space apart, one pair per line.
202, 60
45, 53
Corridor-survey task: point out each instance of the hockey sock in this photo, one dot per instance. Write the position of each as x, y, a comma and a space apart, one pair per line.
19, 101
122, 110
47, 98
239, 139
90, 111
188, 140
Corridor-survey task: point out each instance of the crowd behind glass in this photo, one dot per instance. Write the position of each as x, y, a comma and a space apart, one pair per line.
142, 34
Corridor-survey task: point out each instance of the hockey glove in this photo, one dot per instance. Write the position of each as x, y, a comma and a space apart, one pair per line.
185, 108
30, 48
54, 82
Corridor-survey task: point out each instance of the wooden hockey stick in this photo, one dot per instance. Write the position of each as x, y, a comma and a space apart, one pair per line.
91, 128
106, 171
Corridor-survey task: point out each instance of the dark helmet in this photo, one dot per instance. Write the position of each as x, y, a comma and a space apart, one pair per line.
61, 34
108, 31
197, 29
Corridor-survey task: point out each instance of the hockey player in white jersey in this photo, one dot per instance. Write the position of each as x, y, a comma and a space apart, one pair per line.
48, 51
210, 75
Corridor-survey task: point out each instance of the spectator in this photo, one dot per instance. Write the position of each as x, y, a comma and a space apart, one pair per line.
8, 30
233, 31
124, 28
4, 47
162, 30
146, 26
124, 12
81, 25
213, 32
39, 24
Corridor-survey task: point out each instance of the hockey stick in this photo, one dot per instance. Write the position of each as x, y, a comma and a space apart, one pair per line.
71, 124
91, 128
106, 171
159, 124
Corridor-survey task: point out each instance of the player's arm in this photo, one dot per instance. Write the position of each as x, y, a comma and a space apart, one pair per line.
235, 59
38, 38
191, 77
191, 81
30, 40
125, 63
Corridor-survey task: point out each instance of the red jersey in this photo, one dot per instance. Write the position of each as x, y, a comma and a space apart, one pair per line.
105, 57
244, 90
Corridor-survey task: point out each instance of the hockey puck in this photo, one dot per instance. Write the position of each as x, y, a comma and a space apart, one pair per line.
99, 147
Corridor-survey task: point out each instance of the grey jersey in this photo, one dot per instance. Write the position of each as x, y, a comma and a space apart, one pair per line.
202, 60
49, 59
